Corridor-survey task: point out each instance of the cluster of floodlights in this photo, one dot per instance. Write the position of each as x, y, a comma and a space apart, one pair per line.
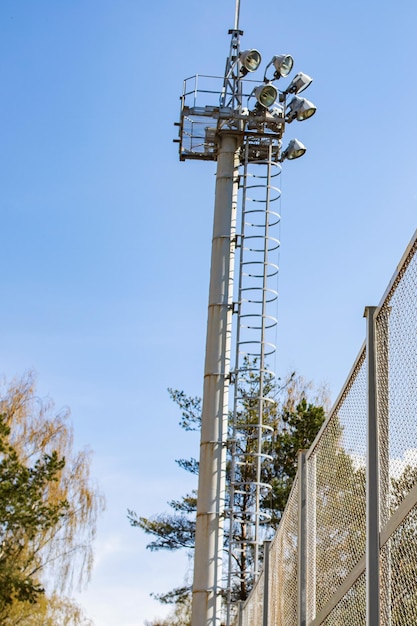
267, 94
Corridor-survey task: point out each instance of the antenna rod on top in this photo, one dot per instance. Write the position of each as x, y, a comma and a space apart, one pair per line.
237, 11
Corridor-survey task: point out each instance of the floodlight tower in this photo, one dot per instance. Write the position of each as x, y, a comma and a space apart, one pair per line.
241, 126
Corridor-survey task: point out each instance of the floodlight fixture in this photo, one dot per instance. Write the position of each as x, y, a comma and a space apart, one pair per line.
294, 150
300, 82
266, 95
283, 65
250, 61
300, 109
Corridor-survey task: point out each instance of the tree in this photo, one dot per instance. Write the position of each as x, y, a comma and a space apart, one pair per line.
290, 421
341, 540
400, 555
24, 513
54, 610
48, 508
294, 421
339, 514
295, 428
179, 616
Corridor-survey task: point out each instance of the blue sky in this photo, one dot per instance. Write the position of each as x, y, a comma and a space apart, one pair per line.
105, 235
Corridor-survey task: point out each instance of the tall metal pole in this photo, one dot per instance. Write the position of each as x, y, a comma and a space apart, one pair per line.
206, 609
216, 132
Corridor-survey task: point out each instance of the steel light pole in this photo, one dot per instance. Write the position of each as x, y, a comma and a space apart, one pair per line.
212, 467
240, 123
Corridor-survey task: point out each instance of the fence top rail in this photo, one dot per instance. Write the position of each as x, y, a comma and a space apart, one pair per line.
396, 277
410, 500
254, 590
405, 259
336, 404
285, 513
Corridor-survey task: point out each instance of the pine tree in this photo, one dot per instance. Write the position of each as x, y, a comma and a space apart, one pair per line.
294, 419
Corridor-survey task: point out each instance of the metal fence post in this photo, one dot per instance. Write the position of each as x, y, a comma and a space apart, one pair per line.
372, 479
302, 538
265, 618
240, 612
311, 536
382, 336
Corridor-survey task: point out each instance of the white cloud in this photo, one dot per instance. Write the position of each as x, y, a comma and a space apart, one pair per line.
124, 575
121, 605
397, 466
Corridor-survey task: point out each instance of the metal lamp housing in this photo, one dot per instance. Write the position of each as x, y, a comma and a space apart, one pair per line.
250, 60
300, 109
266, 95
300, 82
294, 150
283, 65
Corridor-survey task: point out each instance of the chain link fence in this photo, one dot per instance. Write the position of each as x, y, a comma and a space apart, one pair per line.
319, 569
336, 517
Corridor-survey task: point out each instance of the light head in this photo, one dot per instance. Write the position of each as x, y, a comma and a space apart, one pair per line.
283, 65
294, 150
300, 82
250, 61
266, 95
299, 109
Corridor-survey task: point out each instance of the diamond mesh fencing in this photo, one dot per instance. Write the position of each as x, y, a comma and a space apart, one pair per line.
336, 493
351, 610
283, 566
331, 523
396, 326
399, 575
282, 582
252, 614
397, 386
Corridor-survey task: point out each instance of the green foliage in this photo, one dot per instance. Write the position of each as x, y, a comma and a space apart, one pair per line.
340, 510
188, 504
179, 595
24, 513
294, 429
180, 615
290, 423
48, 511
401, 554
172, 531
55, 610
340, 487
294, 422
190, 409
189, 465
